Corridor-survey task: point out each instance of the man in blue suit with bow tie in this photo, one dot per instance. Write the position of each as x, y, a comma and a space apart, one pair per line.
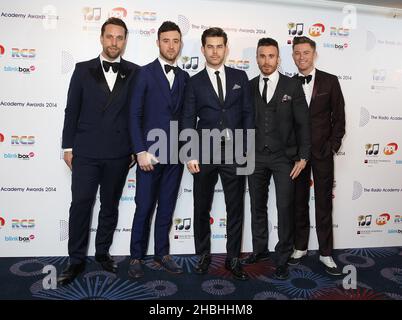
97, 146
219, 97
156, 104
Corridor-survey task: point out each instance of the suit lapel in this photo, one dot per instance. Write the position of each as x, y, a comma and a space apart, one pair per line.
230, 83
209, 85
160, 77
97, 73
316, 86
279, 91
179, 81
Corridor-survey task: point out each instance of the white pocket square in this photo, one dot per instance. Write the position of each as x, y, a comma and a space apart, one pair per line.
286, 98
236, 86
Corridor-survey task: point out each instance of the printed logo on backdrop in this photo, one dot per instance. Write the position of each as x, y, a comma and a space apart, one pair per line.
119, 12
336, 46
2, 50
190, 64
23, 223
92, 18
359, 190
20, 69
145, 16
24, 141
383, 219
339, 32
17, 53
316, 30
366, 117
184, 24
239, 64
1, 137
20, 239
295, 29
2, 222
376, 154
19, 156
384, 80
182, 229
370, 224
67, 62
63, 230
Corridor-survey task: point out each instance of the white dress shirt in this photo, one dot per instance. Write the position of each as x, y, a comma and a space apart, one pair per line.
212, 77
271, 84
110, 75
308, 87
170, 75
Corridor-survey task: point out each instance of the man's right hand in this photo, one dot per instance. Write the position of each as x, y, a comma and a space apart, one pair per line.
68, 159
193, 166
145, 160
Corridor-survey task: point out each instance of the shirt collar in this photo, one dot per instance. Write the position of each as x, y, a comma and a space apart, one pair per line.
211, 71
312, 73
163, 62
273, 77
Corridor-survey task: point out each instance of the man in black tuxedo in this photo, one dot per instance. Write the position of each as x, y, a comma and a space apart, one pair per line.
327, 114
97, 146
219, 97
282, 151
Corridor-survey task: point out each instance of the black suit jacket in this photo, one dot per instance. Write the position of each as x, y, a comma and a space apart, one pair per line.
327, 114
203, 110
292, 116
96, 120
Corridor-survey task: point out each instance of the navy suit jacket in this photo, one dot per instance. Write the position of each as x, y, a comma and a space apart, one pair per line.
96, 120
152, 105
201, 102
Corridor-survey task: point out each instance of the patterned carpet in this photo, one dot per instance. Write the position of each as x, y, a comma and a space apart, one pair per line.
378, 277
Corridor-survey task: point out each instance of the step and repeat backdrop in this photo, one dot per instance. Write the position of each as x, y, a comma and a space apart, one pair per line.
41, 41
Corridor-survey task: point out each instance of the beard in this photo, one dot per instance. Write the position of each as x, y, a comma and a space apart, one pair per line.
112, 54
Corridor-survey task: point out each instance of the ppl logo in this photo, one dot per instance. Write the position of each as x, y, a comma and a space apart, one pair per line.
22, 140
23, 53
2, 222
145, 16
316, 30
211, 220
382, 219
390, 148
23, 223
92, 14
2, 50
118, 13
1, 137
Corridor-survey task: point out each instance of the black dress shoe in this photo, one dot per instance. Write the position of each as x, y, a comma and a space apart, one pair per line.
168, 263
107, 263
203, 263
281, 272
135, 269
70, 273
234, 266
255, 257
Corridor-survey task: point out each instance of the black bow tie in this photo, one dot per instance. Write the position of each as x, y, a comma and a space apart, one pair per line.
106, 65
168, 67
305, 79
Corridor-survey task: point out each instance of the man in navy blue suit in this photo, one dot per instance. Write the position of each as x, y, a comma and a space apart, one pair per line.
156, 104
219, 97
97, 146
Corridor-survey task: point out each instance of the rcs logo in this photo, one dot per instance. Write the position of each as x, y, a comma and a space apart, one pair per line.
23, 53
23, 223
22, 140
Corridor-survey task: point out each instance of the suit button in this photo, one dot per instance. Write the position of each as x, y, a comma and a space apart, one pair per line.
223, 110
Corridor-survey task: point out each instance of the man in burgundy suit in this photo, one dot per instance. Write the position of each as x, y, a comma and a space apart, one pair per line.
327, 114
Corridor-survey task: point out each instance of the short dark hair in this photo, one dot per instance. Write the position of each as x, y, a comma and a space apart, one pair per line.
168, 26
214, 32
303, 39
115, 21
266, 42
